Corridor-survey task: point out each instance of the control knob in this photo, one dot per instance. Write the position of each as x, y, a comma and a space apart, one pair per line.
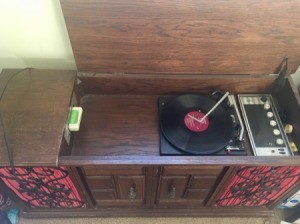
264, 99
267, 106
276, 132
270, 114
273, 123
279, 141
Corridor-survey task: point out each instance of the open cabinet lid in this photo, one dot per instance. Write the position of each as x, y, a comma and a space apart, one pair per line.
183, 36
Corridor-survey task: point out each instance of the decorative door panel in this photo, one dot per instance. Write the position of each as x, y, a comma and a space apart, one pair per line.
116, 186
258, 186
186, 186
172, 188
42, 187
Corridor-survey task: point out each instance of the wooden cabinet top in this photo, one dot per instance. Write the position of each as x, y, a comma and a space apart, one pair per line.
34, 108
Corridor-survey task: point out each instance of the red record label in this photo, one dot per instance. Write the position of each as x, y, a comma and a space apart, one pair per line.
192, 121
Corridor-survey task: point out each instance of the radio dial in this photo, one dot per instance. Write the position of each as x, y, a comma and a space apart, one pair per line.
288, 129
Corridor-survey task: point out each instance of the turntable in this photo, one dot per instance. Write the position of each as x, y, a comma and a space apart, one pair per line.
195, 124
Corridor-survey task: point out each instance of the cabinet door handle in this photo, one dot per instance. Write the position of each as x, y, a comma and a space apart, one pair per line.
172, 192
132, 193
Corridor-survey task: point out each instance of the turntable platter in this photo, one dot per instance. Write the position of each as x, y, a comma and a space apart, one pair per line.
183, 126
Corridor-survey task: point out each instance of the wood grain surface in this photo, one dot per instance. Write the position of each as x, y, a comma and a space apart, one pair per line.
147, 84
120, 128
124, 129
118, 125
34, 109
183, 36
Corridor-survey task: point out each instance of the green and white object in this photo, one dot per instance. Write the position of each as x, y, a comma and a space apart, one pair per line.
75, 118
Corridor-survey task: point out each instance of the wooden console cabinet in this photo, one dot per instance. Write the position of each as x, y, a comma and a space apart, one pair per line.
128, 54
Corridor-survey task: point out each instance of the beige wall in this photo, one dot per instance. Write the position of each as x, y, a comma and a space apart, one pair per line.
33, 34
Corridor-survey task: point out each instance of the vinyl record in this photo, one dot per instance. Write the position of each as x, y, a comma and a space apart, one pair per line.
182, 124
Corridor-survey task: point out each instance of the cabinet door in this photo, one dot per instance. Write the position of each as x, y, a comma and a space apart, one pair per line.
43, 187
102, 187
116, 186
187, 186
172, 187
258, 186
131, 187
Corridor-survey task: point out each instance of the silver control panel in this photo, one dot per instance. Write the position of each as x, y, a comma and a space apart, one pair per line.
265, 130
